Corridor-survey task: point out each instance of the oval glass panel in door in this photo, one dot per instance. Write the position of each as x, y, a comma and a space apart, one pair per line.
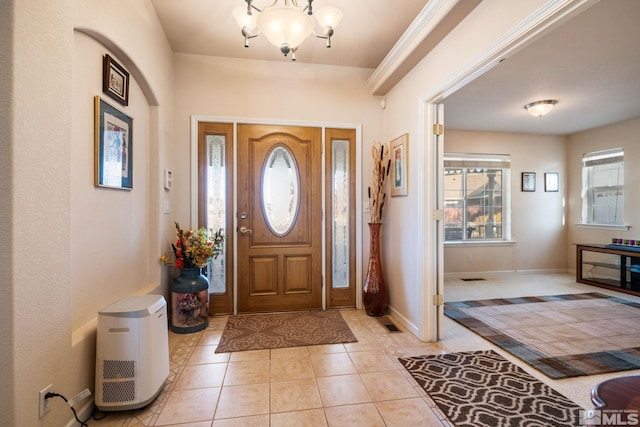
280, 190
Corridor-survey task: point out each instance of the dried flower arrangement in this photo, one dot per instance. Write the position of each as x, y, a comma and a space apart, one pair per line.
194, 248
381, 166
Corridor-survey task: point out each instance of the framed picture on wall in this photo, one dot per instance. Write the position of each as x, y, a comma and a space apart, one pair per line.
528, 181
551, 181
113, 141
115, 80
398, 171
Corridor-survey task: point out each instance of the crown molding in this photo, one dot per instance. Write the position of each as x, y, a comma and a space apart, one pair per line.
428, 18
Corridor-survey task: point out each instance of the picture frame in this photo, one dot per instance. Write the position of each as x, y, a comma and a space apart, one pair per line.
115, 80
551, 182
398, 156
113, 147
528, 181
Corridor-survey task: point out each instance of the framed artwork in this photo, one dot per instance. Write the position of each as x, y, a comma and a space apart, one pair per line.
399, 147
528, 181
551, 181
115, 80
113, 141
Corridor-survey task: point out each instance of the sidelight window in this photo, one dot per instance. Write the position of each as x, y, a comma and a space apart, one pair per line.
216, 206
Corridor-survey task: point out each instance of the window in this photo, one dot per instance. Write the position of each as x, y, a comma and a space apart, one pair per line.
603, 187
476, 196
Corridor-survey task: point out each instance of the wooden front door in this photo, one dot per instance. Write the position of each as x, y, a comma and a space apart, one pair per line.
279, 218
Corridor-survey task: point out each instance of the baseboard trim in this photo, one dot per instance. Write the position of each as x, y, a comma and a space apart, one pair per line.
465, 274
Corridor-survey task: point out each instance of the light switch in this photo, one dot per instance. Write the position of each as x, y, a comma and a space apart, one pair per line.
166, 207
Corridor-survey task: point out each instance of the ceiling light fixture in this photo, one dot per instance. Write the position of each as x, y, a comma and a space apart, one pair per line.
286, 27
540, 108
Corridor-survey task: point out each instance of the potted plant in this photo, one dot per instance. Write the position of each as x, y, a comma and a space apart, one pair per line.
190, 289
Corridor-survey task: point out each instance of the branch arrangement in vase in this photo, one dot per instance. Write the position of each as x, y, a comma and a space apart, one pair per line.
377, 194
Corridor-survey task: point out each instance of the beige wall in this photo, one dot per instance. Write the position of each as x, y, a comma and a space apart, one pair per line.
408, 232
66, 241
625, 135
116, 218
537, 229
7, 356
36, 197
60, 231
243, 90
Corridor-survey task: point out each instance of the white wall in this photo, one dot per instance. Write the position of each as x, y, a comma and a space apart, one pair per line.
538, 230
55, 223
623, 134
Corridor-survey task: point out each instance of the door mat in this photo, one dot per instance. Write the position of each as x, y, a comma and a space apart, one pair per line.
266, 331
562, 336
481, 388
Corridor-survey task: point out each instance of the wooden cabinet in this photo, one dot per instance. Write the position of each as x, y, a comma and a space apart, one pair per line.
609, 266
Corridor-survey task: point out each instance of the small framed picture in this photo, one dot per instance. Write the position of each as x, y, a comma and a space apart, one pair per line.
551, 181
115, 80
399, 147
113, 141
528, 181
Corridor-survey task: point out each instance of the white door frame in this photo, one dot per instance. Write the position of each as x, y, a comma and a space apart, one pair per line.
551, 15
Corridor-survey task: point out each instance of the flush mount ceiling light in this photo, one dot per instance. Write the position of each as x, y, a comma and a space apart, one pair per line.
287, 26
540, 108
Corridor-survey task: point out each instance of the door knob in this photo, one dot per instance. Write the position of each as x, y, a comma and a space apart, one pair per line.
245, 230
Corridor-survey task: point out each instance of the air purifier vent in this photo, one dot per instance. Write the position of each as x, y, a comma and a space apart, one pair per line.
118, 369
119, 392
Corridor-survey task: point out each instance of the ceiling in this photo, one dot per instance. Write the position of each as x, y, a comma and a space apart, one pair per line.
590, 64
367, 32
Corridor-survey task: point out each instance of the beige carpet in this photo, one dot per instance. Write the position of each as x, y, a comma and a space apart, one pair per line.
560, 335
265, 331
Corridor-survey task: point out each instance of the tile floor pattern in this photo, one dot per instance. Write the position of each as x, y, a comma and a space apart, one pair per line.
355, 384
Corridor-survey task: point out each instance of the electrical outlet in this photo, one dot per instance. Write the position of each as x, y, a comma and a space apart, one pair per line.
469, 258
43, 402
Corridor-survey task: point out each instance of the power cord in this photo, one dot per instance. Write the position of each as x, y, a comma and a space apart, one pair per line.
75, 414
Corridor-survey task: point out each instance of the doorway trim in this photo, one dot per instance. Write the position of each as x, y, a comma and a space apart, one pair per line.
548, 17
193, 185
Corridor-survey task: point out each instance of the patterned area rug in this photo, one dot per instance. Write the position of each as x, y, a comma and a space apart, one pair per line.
561, 335
482, 388
266, 331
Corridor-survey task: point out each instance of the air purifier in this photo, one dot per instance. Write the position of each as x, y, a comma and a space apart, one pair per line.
132, 352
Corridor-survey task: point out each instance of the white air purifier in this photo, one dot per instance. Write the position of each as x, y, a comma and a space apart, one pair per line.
132, 352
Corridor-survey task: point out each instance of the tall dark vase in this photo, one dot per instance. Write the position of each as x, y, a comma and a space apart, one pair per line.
189, 301
374, 294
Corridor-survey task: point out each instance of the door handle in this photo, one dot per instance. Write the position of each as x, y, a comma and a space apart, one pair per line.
245, 230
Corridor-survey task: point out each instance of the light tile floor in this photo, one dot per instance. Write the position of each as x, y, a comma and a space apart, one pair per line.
355, 384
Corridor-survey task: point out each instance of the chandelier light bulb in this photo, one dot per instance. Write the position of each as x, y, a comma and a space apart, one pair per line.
285, 25
328, 17
243, 19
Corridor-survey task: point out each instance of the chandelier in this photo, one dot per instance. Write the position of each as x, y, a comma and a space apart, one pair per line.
286, 26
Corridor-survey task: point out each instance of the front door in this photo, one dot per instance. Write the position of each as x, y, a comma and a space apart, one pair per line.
279, 218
